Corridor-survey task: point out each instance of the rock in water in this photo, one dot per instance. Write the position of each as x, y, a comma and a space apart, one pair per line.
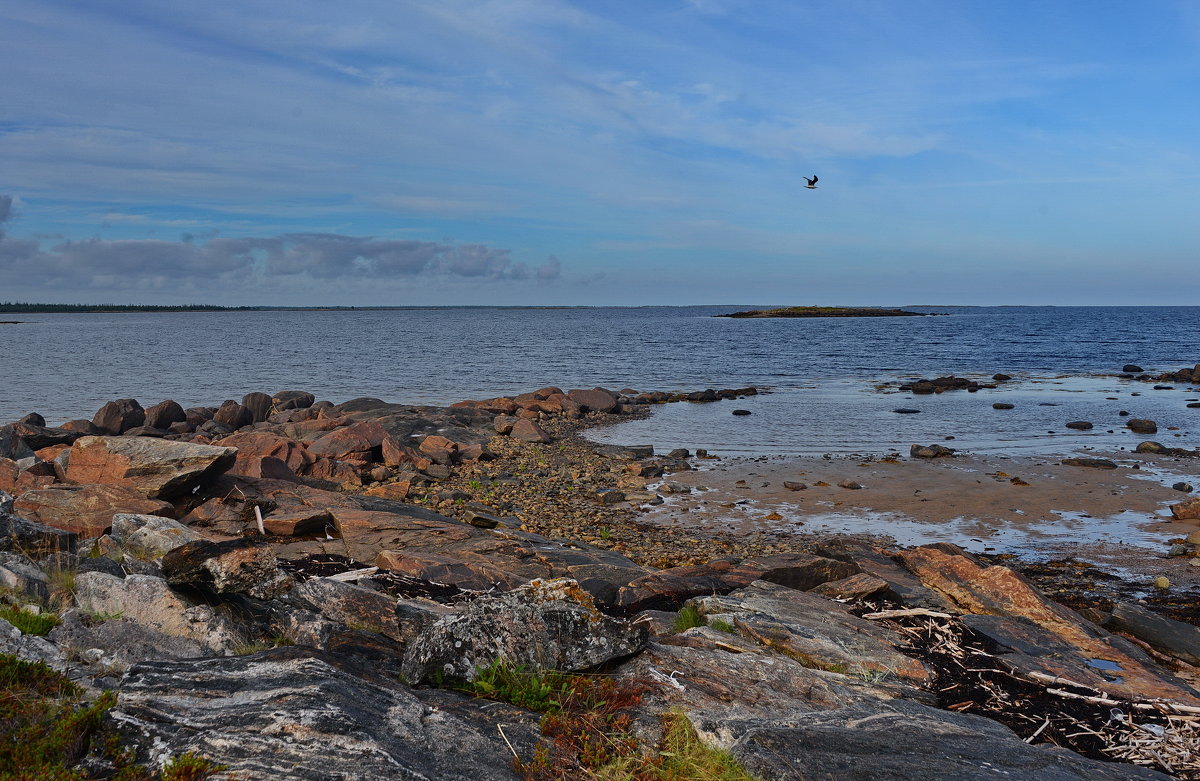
543, 625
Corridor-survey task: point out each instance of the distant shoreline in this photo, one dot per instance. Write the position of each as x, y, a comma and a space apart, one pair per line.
825, 311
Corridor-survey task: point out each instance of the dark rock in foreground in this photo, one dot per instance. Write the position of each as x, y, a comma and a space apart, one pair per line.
297, 714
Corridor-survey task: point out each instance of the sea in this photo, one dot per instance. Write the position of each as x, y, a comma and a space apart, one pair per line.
831, 383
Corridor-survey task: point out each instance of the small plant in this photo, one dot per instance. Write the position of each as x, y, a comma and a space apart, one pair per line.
189, 767
605, 533
688, 618
475, 485
28, 622
722, 625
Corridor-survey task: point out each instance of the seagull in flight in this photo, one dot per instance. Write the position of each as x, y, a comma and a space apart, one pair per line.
812, 183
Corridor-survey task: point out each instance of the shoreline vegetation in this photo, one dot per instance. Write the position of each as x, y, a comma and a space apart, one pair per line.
223, 569
826, 311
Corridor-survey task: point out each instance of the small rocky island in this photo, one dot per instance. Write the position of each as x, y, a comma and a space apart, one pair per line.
825, 311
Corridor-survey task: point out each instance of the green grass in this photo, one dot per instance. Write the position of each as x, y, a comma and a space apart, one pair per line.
29, 623
688, 618
47, 727
588, 730
723, 626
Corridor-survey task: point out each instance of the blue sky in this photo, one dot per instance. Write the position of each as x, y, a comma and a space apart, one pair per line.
645, 152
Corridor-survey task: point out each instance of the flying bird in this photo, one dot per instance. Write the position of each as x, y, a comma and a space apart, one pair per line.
812, 183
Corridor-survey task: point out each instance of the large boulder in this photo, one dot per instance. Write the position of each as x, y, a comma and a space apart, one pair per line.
544, 625
160, 469
11, 445
26, 536
150, 536
597, 399
117, 417
165, 413
150, 602
254, 446
286, 400
1188, 510
259, 404
298, 714
86, 510
359, 442
240, 566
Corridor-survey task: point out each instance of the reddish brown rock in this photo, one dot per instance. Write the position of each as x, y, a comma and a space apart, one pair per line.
398, 490
439, 449
596, 400
86, 510
260, 406
361, 442
288, 400
9, 471
1188, 510
297, 521
233, 415
117, 417
365, 533
857, 586
1142, 426
476, 452
268, 468
528, 431
262, 444
85, 427
165, 414
1069, 640
395, 454
334, 471
465, 572
801, 571
158, 468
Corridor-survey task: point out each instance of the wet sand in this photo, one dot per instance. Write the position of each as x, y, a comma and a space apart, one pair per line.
1034, 507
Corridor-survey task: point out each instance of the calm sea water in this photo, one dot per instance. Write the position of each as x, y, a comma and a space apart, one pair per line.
824, 371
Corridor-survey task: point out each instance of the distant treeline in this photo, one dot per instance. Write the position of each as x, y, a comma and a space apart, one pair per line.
24, 308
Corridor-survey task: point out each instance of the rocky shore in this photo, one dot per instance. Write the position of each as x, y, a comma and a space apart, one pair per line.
281, 588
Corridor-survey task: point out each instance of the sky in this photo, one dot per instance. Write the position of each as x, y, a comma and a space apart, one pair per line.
625, 152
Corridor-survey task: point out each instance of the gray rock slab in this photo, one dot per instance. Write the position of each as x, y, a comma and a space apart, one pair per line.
1171, 637
816, 631
543, 625
150, 536
150, 602
900, 741
297, 714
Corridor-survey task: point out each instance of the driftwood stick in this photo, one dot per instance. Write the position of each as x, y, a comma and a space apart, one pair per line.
354, 574
908, 612
258, 517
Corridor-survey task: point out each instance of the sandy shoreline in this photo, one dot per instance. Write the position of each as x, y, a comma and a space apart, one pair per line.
1031, 506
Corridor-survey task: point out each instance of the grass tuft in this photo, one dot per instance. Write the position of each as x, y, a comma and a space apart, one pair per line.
688, 618
29, 623
588, 725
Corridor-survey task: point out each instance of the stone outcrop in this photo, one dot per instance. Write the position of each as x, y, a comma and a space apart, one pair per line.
297, 714
544, 625
117, 417
1040, 635
86, 510
158, 469
240, 566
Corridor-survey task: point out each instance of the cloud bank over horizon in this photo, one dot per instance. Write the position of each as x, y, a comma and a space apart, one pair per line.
215, 264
